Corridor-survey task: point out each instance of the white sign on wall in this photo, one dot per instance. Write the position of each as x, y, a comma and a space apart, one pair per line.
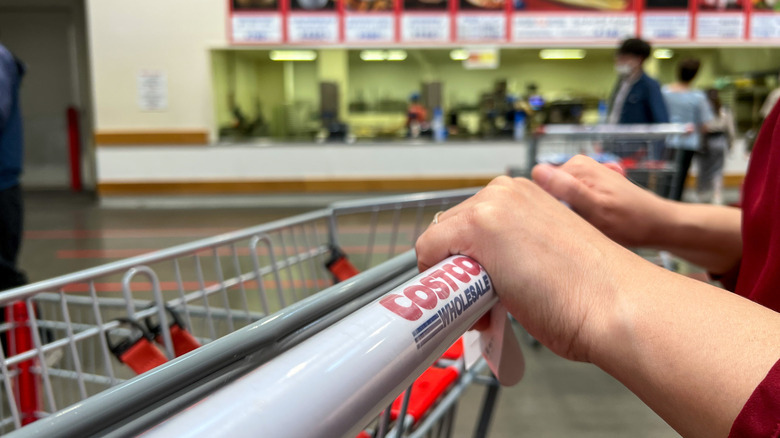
306, 28
434, 28
257, 28
765, 26
548, 27
666, 26
720, 26
481, 27
360, 28
152, 86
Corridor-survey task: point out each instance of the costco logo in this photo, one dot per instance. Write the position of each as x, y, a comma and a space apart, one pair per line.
457, 281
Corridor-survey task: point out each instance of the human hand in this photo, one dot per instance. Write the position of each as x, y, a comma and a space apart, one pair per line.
552, 270
626, 213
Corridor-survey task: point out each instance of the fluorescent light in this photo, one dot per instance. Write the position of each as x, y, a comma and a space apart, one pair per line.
293, 55
663, 53
396, 55
383, 55
372, 55
562, 54
459, 55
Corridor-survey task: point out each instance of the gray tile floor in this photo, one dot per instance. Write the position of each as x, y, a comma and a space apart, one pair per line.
65, 233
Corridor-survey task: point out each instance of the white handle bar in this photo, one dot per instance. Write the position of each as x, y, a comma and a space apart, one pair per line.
334, 383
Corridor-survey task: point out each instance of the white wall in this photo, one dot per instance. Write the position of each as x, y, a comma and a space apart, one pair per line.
169, 35
299, 162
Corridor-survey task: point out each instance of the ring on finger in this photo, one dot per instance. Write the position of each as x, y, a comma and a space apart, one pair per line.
436, 217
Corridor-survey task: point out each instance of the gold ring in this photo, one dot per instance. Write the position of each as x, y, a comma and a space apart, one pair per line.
436, 217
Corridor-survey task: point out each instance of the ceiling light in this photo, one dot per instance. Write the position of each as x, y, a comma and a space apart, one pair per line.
663, 54
459, 55
396, 55
373, 55
562, 54
383, 55
293, 55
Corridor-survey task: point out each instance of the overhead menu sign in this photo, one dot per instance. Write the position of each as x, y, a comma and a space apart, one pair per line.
666, 26
481, 27
720, 26
499, 22
425, 28
540, 26
313, 28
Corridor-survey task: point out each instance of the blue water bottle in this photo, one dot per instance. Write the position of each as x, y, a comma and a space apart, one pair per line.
520, 119
439, 130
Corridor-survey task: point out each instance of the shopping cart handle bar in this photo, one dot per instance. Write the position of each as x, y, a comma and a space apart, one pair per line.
643, 131
334, 383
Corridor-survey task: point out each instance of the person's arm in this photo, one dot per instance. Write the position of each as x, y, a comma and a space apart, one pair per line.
692, 352
7, 73
657, 103
706, 235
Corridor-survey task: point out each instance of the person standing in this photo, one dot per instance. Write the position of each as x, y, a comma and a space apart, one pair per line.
637, 97
717, 141
11, 154
686, 106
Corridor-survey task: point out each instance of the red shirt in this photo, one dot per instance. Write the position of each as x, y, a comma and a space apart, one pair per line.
759, 272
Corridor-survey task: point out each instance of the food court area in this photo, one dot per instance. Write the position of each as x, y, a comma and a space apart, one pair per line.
209, 208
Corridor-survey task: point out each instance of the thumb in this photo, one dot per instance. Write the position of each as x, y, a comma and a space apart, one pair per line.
561, 185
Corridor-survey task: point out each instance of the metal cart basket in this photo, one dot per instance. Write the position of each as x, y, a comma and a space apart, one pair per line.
115, 350
639, 149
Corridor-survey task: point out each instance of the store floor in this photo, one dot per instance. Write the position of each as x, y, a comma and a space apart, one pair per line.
66, 233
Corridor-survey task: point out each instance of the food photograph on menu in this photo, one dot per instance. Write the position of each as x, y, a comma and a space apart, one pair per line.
435, 5
255, 5
721, 5
570, 5
313, 5
369, 5
766, 5
483, 5
666, 4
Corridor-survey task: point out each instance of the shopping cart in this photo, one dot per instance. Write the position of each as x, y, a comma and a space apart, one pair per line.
120, 348
638, 149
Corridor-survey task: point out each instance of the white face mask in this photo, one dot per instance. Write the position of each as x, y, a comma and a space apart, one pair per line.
623, 69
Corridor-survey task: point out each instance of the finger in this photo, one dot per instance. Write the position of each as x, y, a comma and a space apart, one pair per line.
562, 185
440, 241
615, 167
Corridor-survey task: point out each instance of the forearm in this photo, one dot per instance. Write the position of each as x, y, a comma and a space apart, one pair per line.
692, 352
706, 235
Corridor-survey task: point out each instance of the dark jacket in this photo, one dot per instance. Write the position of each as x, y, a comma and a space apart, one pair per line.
11, 138
644, 103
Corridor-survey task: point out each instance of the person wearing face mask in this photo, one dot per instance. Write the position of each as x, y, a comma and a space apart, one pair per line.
637, 97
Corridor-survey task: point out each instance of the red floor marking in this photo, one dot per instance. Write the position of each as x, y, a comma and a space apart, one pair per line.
188, 286
222, 252
127, 233
175, 232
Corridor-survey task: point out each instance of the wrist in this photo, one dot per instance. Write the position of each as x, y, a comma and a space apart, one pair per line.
665, 218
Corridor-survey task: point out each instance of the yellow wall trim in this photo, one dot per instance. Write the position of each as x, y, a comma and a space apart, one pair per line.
730, 180
313, 186
145, 138
289, 186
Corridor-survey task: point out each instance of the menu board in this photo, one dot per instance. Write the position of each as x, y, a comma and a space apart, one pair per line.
666, 26
500, 22
765, 26
369, 28
540, 26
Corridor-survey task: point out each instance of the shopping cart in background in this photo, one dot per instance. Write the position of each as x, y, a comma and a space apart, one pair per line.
638, 149
98, 347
